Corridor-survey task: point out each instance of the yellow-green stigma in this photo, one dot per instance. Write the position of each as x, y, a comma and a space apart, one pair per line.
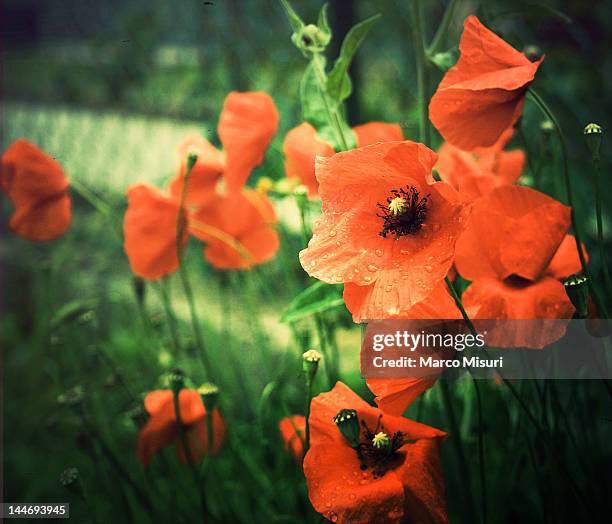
397, 206
381, 440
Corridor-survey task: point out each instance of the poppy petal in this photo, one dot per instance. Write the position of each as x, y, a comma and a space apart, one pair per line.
566, 260
204, 175
36, 185
150, 229
301, 147
293, 430
246, 127
393, 396
197, 438
373, 132
483, 94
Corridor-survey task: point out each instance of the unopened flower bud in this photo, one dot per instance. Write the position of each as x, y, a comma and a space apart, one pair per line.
72, 398
532, 52
192, 158
310, 362
593, 134
69, 479
547, 127
210, 394
176, 380
577, 289
348, 423
311, 39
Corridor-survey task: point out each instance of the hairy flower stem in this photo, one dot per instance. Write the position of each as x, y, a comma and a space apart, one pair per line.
185, 443
438, 38
459, 449
333, 115
183, 274
598, 212
307, 410
570, 198
422, 72
171, 319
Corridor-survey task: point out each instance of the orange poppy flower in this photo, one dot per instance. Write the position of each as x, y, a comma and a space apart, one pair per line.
238, 230
366, 467
385, 224
516, 251
205, 174
150, 229
302, 146
476, 173
161, 429
36, 185
293, 431
247, 124
393, 396
483, 94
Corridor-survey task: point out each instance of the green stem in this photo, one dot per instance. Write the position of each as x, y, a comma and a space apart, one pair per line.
481, 451
329, 371
307, 409
570, 198
438, 38
464, 471
332, 113
187, 448
184, 276
598, 213
422, 73
165, 296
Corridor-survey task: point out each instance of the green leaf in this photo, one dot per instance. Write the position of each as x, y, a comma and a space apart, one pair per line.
339, 85
317, 298
294, 19
71, 311
315, 111
322, 22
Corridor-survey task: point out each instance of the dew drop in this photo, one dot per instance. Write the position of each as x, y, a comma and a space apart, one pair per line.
428, 268
332, 233
367, 278
372, 267
388, 288
379, 252
313, 263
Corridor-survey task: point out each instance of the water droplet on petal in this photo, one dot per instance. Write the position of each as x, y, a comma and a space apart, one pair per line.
372, 267
313, 263
367, 278
379, 252
428, 268
332, 233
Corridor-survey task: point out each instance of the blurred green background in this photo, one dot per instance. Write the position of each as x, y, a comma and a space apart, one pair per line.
109, 89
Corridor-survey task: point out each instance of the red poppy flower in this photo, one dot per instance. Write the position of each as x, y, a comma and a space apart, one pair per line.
483, 94
238, 230
36, 185
150, 229
161, 429
293, 431
247, 124
385, 224
204, 175
302, 146
393, 396
516, 250
476, 173
366, 467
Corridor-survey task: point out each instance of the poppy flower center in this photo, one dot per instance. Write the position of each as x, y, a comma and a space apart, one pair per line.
404, 212
375, 449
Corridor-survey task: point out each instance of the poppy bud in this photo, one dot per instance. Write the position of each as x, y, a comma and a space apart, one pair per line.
547, 127
72, 398
532, 52
577, 289
140, 289
69, 478
311, 38
310, 364
348, 424
210, 394
192, 158
176, 379
593, 133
